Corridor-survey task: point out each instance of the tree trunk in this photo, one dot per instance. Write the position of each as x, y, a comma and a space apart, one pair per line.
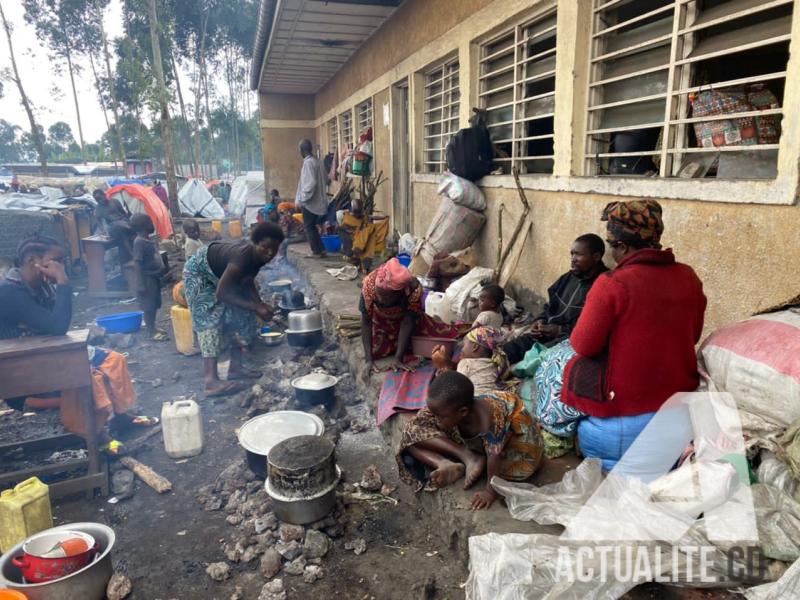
198, 93
112, 90
166, 125
77, 107
183, 110
102, 101
35, 132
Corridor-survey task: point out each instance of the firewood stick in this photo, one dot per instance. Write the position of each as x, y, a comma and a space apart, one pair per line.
520, 223
146, 474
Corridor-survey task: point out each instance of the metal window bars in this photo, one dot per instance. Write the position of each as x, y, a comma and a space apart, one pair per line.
440, 114
652, 59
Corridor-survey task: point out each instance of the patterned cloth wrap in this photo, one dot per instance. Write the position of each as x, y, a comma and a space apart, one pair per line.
554, 416
743, 131
491, 338
513, 436
215, 322
634, 221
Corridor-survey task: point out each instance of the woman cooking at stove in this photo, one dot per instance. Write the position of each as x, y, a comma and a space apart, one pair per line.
219, 281
37, 300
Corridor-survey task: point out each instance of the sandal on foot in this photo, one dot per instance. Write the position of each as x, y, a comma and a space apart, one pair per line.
230, 387
160, 336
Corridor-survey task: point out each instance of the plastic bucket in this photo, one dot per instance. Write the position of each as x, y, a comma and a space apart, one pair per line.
404, 259
332, 243
122, 323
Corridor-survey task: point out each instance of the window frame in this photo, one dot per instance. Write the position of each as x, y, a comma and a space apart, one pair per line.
517, 30
346, 127
675, 122
450, 69
365, 117
333, 135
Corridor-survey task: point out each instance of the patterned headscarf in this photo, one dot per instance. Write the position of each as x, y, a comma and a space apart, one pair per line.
392, 276
491, 338
634, 221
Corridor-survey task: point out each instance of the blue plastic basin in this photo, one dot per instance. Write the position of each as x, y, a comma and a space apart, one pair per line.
121, 323
404, 259
332, 243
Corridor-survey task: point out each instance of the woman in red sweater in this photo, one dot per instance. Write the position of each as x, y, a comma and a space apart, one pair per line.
635, 339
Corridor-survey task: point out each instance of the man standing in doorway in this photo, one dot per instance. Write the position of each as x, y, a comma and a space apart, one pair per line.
310, 197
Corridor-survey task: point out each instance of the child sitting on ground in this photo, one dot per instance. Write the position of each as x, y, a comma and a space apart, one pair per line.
149, 269
482, 360
461, 435
193, 243
490, 303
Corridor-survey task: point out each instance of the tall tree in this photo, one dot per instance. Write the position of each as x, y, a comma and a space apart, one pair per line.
60, 138
9, 142
99, 6
166, 126
59, 23
36, 131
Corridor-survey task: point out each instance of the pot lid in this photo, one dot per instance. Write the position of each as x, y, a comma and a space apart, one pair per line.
297, 331
261, 433
314, 381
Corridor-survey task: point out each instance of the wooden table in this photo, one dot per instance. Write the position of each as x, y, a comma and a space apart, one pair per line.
94, 248
40, 364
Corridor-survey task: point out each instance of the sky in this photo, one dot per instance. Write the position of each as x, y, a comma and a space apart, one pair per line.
49, 91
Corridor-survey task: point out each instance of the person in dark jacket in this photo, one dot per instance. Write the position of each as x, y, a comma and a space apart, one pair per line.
565, 298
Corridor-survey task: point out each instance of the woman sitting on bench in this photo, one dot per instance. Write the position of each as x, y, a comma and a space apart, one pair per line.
37, 300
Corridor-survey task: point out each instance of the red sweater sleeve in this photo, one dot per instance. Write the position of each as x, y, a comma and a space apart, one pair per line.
603, 304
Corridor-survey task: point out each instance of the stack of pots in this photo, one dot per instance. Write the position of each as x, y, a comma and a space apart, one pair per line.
302, 479
305, 328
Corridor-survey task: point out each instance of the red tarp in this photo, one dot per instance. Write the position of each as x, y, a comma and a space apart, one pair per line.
153, 206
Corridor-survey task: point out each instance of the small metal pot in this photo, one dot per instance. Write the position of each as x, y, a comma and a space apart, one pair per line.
315, 388
89, 583
305, 320
39, 563
305, 510
305, 339
273, 338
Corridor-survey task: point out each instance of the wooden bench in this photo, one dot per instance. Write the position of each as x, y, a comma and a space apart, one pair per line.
41, 364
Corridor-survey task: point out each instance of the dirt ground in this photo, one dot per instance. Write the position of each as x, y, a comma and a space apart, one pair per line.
165, 542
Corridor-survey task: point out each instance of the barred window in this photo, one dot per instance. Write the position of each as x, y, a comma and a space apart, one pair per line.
346, 127
687, 88
364, 116
517, 83
333, 136
440, 114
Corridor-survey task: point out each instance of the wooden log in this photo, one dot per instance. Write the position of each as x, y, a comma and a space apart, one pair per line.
146, 474
518, 229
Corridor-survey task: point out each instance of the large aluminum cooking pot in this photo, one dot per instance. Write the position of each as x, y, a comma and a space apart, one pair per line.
89, 583
305, 320
315, 388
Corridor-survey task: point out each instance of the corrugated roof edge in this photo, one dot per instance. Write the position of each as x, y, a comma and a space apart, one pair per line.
266, 16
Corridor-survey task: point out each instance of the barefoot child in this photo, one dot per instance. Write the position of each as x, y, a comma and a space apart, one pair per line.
150, 268
193, 242
490, 303
460, 435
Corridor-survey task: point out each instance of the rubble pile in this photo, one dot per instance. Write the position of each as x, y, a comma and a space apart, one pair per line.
294, 550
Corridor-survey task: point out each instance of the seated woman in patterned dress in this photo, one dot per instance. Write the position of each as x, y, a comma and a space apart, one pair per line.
462, 435
482, 360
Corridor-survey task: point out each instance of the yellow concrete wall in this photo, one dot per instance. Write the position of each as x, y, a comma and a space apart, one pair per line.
285, 120
747, 256
383, 152
413, 25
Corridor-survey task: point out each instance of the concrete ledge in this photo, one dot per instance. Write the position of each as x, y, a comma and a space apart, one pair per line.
449, 509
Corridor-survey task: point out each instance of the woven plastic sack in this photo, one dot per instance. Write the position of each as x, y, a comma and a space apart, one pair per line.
776, 473
454, 227
756, 362
461, 191
788, 586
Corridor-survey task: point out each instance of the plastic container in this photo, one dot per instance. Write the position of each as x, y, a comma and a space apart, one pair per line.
332, 243
235, 228
424, 346
12, 595
438, 306
182, 426
182, 329
128, 322
404, 259
24, 511
217, 226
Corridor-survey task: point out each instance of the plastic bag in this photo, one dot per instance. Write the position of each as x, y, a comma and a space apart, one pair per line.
776, 473
788, 586
463, 293
461, 191
406, 244
194, 199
